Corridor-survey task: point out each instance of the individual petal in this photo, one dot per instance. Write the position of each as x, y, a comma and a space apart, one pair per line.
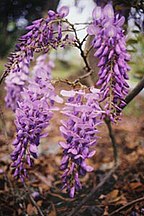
33, 148
111, 31
92, 30
97, 13
91, 154
121, 21
68, 93
108, 11
51, 13
63, 145
63, 11
72, 191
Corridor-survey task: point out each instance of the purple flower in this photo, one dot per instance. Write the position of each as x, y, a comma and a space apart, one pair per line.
15, 82
80, 132
46, 32
43, 67
33, 114
63, 11
42, 35
110, 44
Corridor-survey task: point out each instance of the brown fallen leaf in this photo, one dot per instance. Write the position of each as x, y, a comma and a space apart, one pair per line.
112, 195
115, 198
53, 212
31, 209
135, 185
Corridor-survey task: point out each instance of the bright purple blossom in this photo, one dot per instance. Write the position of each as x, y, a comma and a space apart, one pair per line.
32, 117
43, 65
63, 11
43, 34
46, 32
15, 83
80, 132
110, 44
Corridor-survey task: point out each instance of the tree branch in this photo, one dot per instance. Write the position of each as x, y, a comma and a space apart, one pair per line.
83, 77
113, 140
33, 201
134, 92
128, 205
79, 45
3, 76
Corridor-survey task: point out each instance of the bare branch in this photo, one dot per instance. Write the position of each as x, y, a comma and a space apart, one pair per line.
113, 140
128, 205
83, 76
33, 201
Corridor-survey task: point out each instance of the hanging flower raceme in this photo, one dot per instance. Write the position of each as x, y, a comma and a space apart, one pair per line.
32, 116
15, 83
80, 132
43, 65
110, 44
44, 34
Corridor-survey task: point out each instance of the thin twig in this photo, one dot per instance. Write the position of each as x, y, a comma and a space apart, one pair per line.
97, 191
128, 205
86, 23
113, 140
33, 201
44, 180
84, 39
79, 44
4, 75
83, 77
74, 83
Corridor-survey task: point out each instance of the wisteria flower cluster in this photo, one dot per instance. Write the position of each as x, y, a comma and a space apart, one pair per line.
33, 114
15, 83
32, 97
110, 44
43, 34
80, 132
46, 32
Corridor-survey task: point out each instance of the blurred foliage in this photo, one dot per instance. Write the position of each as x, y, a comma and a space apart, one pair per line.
134, 108
15, 14
65, 70
136, 48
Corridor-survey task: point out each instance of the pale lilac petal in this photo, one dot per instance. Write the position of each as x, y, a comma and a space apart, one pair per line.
63, 11
97, 13
67, 93
108, 11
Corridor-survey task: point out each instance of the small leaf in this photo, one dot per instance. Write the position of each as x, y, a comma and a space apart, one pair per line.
132, 41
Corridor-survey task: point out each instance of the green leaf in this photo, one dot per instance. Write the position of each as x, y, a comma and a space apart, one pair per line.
132, 41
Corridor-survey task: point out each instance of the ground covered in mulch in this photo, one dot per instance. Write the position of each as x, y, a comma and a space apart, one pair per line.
124, 192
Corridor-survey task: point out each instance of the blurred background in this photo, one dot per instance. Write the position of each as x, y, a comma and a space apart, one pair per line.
15, 15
